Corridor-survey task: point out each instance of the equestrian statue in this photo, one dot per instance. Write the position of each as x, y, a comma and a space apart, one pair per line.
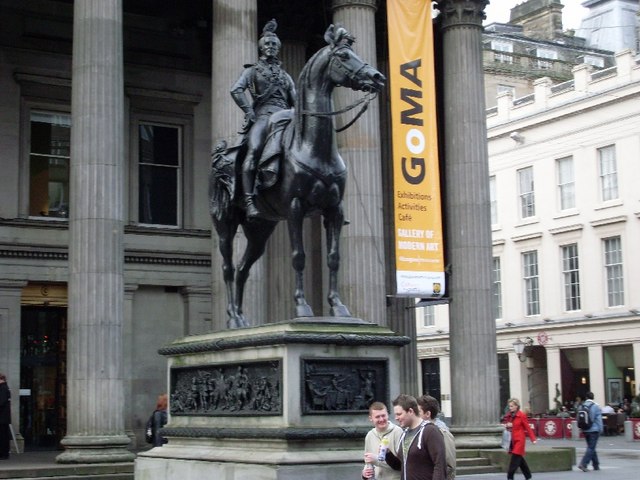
287, 165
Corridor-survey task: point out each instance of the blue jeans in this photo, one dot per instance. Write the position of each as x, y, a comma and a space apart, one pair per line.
590, 454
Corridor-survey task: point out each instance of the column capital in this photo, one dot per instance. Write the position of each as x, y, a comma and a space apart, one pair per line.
456, 13
337, 4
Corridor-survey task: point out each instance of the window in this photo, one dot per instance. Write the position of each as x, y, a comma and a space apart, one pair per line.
493, 199
613, 271
608, 173
497, 289
546, 53
527, 197
50, 135
531, 282
571, 275
159, 172
594, 60
502, 51
428, 316
506, 89
566, 183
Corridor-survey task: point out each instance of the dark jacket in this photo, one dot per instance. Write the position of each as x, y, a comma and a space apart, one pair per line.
5, 404
426, 459
159, 421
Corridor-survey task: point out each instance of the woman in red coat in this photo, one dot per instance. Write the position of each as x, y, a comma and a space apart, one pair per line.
517, 422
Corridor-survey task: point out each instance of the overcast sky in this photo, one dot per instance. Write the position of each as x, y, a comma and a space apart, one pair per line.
572, 13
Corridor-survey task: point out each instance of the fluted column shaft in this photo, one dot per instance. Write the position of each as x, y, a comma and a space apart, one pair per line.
95, 405
362, 278
468, 238
235, 43
280, 270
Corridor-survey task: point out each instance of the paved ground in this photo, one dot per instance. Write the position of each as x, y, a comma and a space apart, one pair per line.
619, 460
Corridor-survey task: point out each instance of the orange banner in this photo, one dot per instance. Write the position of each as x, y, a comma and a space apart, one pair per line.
417, 206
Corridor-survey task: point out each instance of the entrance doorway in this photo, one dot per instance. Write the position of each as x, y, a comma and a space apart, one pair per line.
43, 401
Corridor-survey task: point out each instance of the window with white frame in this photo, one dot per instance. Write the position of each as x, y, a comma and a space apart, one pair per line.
531, 282
526, 192
428, 315
159, 173
571, 276
608, 173
49, 148
493, 199
566, 183
613, 270
502, 51
497, 289
545, 53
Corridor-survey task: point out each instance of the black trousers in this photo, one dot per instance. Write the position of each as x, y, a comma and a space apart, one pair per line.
5, 435
518, 461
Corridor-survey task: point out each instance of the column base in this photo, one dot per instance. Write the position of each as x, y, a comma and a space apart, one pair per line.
482, 436
95, 449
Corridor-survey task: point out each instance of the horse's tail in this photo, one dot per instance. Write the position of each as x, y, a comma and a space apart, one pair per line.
222, 180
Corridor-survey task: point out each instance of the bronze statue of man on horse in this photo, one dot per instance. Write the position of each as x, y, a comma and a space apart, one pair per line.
289, 152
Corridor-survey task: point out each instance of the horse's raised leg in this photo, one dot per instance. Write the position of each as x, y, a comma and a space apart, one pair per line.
296, 218
226, 233
257, 232
333, 221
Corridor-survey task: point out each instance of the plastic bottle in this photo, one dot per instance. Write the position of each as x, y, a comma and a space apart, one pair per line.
382, 451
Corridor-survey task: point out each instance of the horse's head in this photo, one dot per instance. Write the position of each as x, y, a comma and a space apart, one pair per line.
345, 67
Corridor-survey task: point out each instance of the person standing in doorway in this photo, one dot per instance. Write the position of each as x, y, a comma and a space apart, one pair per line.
421, 451
383, 433
591, 434
5, 417
517, 422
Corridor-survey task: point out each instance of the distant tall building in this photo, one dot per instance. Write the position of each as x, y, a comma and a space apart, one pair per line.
611, 24
533, 45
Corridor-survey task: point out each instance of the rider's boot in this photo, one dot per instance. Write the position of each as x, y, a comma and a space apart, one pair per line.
251, 211
248, 179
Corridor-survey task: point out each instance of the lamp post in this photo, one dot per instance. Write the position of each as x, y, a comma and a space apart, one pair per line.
520, 347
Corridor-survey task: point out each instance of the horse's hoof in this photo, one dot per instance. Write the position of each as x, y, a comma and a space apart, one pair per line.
340, 311
304, 311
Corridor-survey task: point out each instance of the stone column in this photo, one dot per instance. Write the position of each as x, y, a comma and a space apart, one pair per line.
362, 272
596, 373
10, 323
281, 274
235, 43
130, 290
474, 361
554, 374
95, 404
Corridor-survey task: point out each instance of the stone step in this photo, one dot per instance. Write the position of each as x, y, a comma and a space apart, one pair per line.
117, 471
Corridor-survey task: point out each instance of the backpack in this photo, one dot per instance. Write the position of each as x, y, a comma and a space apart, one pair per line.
584, 417
450, 452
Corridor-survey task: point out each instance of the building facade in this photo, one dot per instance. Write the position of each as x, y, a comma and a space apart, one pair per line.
565, 222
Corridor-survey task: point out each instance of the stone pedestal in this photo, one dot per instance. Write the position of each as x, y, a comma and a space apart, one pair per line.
279, 401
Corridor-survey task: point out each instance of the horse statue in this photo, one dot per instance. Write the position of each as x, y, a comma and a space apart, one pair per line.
300, 174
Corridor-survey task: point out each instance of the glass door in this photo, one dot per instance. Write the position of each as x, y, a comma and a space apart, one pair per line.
43, 376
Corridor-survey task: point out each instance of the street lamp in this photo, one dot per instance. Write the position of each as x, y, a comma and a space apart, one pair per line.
520, 347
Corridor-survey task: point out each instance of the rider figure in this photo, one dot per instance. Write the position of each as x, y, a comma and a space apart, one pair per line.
271, 90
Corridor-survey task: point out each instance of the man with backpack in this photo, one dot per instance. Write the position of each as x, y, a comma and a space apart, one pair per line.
429, 409
421, 452
589, 419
